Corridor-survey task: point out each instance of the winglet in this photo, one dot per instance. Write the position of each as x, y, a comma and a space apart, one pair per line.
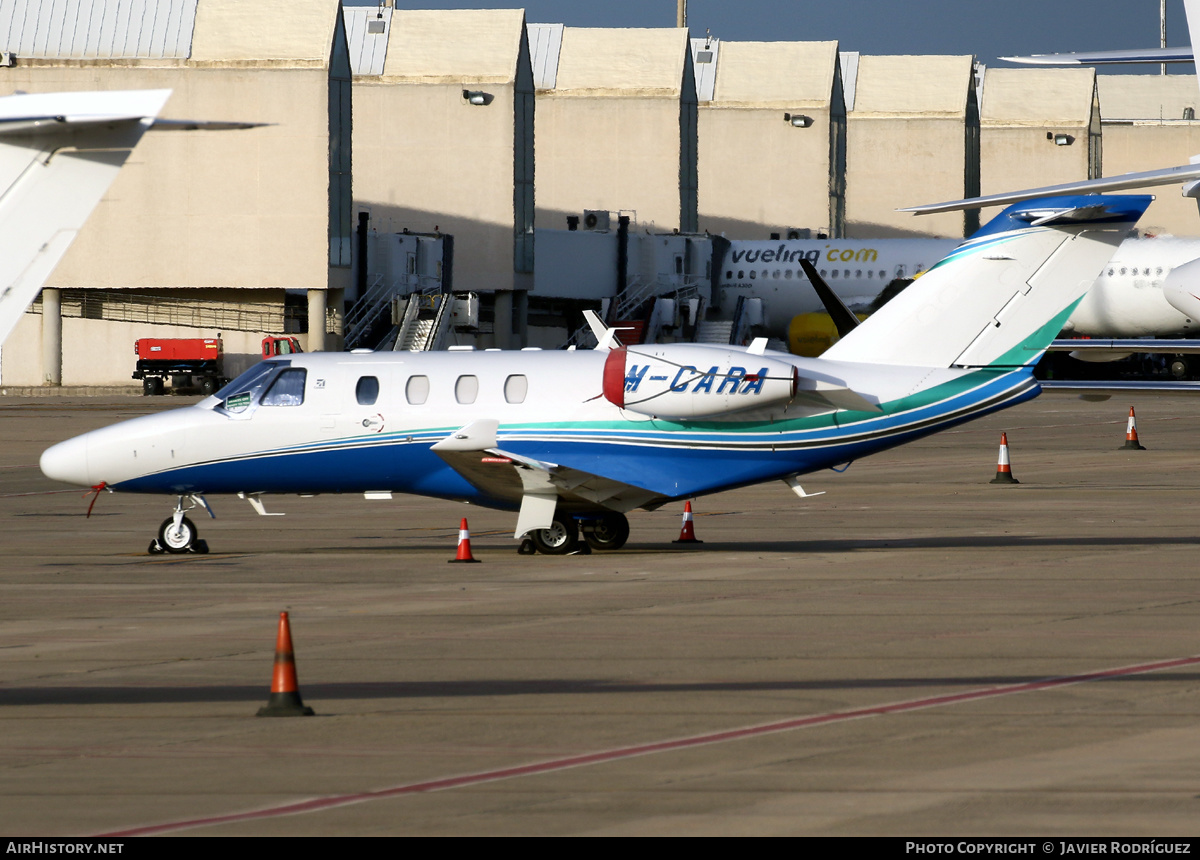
606, 337
479, 435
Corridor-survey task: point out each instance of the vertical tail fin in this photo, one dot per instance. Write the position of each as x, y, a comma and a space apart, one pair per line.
1001, 297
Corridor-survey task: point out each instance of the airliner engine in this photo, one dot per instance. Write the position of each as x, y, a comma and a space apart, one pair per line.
1180, 288
692, 381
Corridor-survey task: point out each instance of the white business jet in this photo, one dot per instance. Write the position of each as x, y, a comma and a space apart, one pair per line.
579, 438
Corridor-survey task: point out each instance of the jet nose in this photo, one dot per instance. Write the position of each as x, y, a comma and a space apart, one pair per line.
67, 462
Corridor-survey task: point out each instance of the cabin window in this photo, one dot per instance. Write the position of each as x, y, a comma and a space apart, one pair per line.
787, 274
515, 388
741, 274
287, 389
417, 390
466, 389
753, 274
367, 390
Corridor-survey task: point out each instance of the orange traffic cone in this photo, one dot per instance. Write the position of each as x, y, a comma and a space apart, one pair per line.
1003, 470
464, 545
285, 692
1131, 439
687, 534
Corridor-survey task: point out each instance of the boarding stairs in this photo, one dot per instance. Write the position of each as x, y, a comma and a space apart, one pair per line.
368, 313
423, 321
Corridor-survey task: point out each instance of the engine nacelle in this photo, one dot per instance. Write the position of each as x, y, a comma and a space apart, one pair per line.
1181, 288
689, 381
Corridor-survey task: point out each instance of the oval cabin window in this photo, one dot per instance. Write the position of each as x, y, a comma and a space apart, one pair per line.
417, 390
466, 389
367, 390
515, 388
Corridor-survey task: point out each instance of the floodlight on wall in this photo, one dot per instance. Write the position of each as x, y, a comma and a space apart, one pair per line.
1060, 139
798, 120
477, 97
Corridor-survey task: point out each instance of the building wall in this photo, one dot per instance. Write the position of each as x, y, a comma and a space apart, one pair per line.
1148, 146
608, 152
1145, 128
895, 162
913, 138
428, 160
1020, 108
759, 174
100, 352
203, 208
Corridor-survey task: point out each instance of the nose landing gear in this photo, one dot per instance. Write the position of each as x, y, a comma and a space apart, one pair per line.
178, 534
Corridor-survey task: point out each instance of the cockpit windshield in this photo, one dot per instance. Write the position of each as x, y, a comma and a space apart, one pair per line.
241, 393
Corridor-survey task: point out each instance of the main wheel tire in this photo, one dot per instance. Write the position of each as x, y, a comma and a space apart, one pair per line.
179, 540
1178, 368
607, 532
560, 539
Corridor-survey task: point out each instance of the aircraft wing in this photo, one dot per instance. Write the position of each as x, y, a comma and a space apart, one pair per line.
1128, 346
1097, 58
534, 485
1166, 176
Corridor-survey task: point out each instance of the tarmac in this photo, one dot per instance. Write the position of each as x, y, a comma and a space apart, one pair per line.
917, 652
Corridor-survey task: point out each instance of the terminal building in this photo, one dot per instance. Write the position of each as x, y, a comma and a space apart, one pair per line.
1150, 122
443, 140
772, 134
616, 126
1037, 127
912, 137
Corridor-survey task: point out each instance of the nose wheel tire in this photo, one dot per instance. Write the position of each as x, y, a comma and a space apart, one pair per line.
607, 532
560, 539
178, 540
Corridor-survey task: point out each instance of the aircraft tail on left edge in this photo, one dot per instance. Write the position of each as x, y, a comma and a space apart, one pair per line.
59, 153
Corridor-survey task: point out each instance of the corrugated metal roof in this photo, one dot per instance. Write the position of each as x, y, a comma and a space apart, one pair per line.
894, 86
622, 61
1147, 97
367, 31
776, 74
1034, 97
545, 43
704, 63
97, 29
848, 60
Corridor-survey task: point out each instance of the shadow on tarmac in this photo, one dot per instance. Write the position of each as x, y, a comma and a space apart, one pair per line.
547, 687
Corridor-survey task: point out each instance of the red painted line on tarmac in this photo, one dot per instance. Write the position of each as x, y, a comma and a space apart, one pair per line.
322, 803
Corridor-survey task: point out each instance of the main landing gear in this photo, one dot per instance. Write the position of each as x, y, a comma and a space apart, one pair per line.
178, 534
607, 531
